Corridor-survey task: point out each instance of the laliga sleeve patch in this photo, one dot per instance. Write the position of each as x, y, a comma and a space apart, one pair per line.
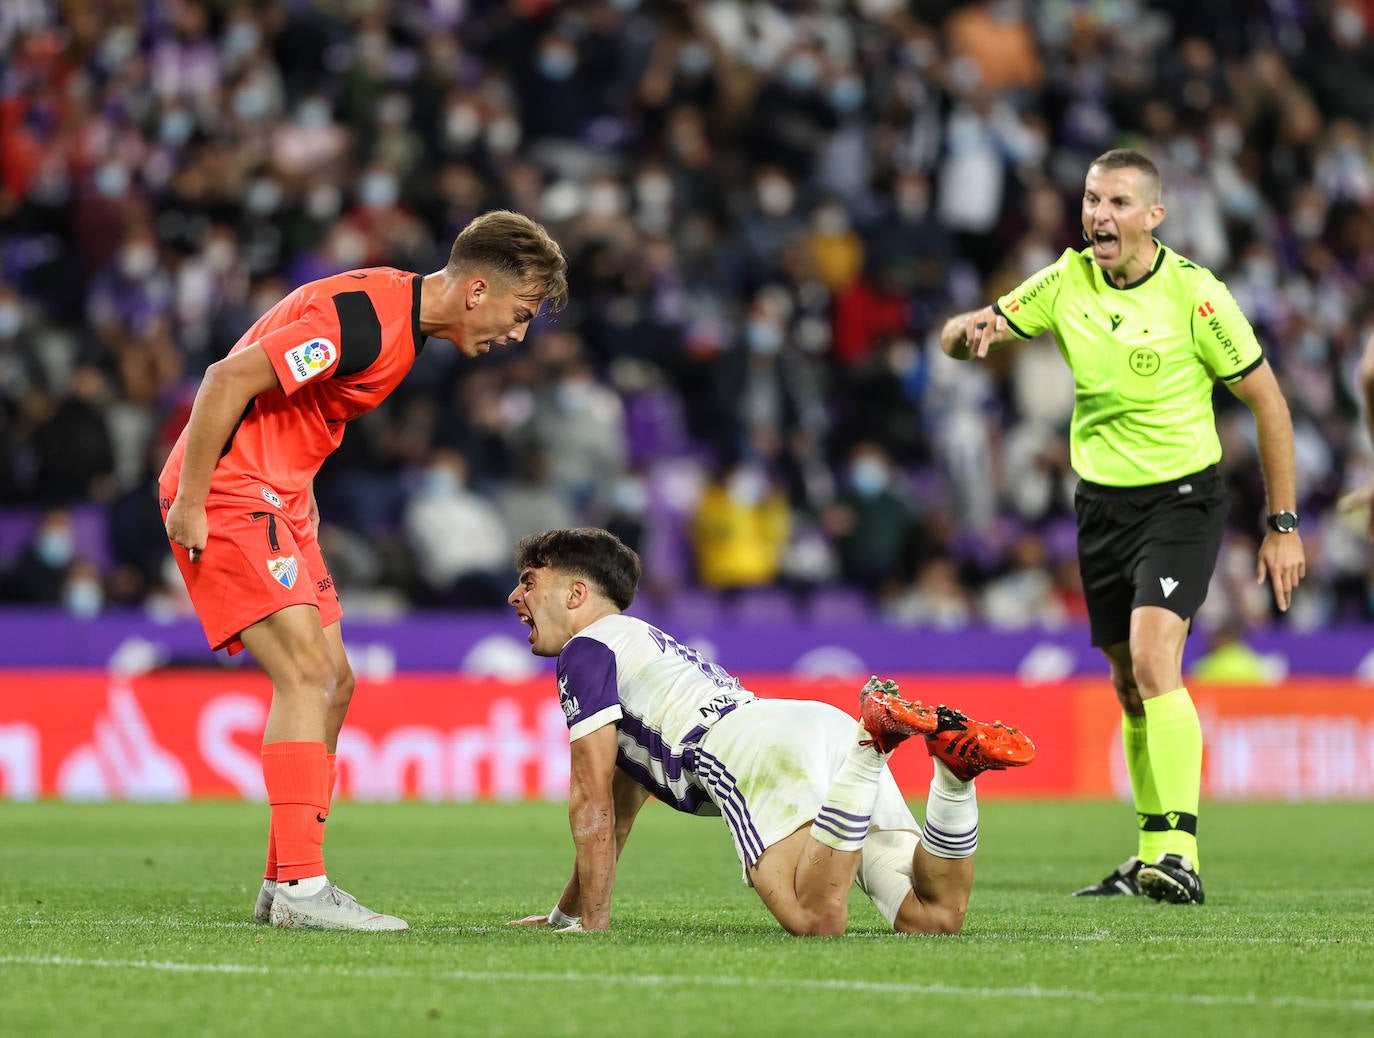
311, 358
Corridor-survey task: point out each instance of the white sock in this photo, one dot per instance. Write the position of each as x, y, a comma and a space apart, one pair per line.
308, 887
842, 821
886, 872
951, 825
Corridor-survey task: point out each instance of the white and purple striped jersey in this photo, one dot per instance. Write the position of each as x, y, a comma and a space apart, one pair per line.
662, 697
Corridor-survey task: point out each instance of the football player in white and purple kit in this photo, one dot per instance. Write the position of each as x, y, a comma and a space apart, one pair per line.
804, 789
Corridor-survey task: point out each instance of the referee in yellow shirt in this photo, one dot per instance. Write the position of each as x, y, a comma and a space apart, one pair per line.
1147, 333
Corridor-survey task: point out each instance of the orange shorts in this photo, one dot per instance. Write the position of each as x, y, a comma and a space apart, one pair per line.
257, 560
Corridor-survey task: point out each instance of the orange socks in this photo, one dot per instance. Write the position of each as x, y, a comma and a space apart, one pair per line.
271, 870
298, 776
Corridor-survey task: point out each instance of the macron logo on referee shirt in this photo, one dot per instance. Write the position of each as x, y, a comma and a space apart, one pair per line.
1167, 585
310, 358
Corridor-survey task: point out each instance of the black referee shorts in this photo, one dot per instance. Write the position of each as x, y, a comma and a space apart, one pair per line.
1153, 545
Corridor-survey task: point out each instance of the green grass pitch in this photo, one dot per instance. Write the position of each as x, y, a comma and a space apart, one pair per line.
120, 919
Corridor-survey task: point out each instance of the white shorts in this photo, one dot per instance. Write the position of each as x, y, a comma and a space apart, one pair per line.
768, 766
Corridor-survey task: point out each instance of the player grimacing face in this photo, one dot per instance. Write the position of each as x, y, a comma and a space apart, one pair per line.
540, 599
1120, 214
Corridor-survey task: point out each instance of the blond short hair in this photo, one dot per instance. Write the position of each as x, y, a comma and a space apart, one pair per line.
513, 248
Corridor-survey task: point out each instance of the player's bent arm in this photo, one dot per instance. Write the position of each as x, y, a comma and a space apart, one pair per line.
224, 393
591, 817
628, 796
972, 334
1281, 556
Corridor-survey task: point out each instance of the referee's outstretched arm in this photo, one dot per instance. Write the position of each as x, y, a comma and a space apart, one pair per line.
972, 334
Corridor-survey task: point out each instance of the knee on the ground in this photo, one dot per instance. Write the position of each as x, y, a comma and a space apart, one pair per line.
930, 919
831, 921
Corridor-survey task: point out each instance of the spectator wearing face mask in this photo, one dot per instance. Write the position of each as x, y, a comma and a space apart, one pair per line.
12, 337
936, 597
873, 522
40, 573
132, 291
751, 256
389, 231
1024, 595
556, 97
905, 237
83, 591
770, 386
459, 539
74, 451
792, 114
529, 501
1343, 61
626, 517
580, 424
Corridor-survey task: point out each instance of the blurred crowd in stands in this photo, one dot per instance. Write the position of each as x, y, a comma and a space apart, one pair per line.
768, 209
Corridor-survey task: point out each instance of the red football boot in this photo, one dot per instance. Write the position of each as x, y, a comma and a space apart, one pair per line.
969, 748
889, 718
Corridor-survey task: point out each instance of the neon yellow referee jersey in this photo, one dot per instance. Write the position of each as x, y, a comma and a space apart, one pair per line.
1144, 361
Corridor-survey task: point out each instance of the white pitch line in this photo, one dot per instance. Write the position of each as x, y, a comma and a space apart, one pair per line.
1031, 991
1192, 938
182, 924
1354, 940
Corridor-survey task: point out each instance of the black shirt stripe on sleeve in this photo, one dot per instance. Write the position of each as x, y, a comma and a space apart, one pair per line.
1231, 380
360, 333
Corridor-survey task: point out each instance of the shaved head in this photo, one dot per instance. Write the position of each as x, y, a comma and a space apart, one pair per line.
1151, 184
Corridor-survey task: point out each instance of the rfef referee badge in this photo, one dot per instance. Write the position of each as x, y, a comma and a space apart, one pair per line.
284, 570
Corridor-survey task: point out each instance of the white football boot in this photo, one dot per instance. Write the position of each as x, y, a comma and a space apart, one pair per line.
330, 909
262, 910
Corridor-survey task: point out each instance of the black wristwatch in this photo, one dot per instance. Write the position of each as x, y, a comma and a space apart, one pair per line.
1283, 522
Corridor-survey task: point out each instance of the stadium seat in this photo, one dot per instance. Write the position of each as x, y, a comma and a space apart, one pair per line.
764, 606
840, 605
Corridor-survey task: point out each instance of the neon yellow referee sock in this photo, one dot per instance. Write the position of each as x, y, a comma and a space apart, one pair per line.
1148, 813
1174, 735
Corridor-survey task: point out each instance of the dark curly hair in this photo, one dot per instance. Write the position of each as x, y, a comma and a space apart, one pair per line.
597, 556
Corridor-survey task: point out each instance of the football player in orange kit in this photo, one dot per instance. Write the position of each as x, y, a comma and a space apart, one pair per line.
237, 498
